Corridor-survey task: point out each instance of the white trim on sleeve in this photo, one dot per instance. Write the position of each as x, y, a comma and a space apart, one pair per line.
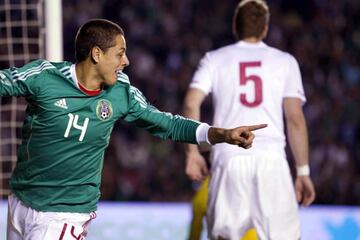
202, 134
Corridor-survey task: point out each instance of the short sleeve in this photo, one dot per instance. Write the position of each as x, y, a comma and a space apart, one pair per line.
203, 76
293, 85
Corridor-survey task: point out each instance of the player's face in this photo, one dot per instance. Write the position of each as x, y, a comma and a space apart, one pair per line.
113, 60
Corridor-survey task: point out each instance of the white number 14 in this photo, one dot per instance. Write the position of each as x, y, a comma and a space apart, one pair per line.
73, 122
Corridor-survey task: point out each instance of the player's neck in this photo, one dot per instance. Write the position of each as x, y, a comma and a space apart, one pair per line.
252, 40
87, 77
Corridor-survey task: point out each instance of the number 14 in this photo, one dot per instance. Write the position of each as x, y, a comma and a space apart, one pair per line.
257, 84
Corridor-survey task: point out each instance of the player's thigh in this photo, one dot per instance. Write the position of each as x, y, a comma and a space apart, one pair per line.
199, 204
16, 222
228, 214
61, 226
199, 201
31, 224
12, 233
58, 230
250, 235
276, 210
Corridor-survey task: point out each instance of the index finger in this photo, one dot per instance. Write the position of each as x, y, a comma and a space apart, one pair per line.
256, 127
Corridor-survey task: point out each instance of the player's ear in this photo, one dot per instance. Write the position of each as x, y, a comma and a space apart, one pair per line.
95, 54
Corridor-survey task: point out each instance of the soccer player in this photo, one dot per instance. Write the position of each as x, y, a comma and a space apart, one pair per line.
251, 81
71, 111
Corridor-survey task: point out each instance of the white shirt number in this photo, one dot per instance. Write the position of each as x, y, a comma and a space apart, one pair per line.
73, 122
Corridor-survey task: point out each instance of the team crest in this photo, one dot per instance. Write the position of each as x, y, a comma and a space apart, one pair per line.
104, 110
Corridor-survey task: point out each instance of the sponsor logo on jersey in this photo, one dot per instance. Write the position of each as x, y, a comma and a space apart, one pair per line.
61, 103
104, 109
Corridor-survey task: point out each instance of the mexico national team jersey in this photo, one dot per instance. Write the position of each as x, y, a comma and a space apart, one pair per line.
248, 83
66, 132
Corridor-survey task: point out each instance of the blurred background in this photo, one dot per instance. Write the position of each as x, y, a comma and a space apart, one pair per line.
165, 41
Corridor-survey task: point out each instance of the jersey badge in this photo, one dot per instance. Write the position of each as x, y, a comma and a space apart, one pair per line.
104, 110
61, 103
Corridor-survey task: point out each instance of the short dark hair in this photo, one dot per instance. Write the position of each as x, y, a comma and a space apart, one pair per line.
250, 19
96, 32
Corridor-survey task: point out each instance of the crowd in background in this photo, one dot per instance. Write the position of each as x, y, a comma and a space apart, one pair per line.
166, 40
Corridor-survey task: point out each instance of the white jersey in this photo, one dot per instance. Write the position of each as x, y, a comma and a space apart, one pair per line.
248, 82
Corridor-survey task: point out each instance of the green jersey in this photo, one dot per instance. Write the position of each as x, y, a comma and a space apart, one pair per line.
66, 132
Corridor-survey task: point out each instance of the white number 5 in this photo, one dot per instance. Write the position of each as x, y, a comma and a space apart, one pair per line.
73, 122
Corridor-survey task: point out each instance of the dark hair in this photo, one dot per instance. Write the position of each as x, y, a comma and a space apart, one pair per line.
250, 19
96, 32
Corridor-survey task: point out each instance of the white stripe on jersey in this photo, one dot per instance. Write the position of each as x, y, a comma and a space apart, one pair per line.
33, 68
189, 119
65, 69
138, 96
143, 105
68, 75
123, 77
35, 73
30, 72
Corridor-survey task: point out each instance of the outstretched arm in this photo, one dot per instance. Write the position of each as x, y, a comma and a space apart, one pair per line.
178, 128
298, 140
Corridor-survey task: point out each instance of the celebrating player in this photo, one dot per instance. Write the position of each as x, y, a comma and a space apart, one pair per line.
71, 111
251, 82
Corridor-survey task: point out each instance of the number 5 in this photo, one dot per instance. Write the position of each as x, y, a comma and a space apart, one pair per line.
257, 84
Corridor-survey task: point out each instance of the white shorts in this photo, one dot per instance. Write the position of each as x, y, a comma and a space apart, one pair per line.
25, 223
253, 191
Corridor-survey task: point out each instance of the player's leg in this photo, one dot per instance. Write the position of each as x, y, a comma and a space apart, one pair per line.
276, 212
28, 224
64, 226
250, 235
12, 233
228, 213
15, 222
199, 204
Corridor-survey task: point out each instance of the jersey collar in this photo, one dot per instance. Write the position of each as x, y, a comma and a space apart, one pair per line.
73, 75
250, 45
79, 86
